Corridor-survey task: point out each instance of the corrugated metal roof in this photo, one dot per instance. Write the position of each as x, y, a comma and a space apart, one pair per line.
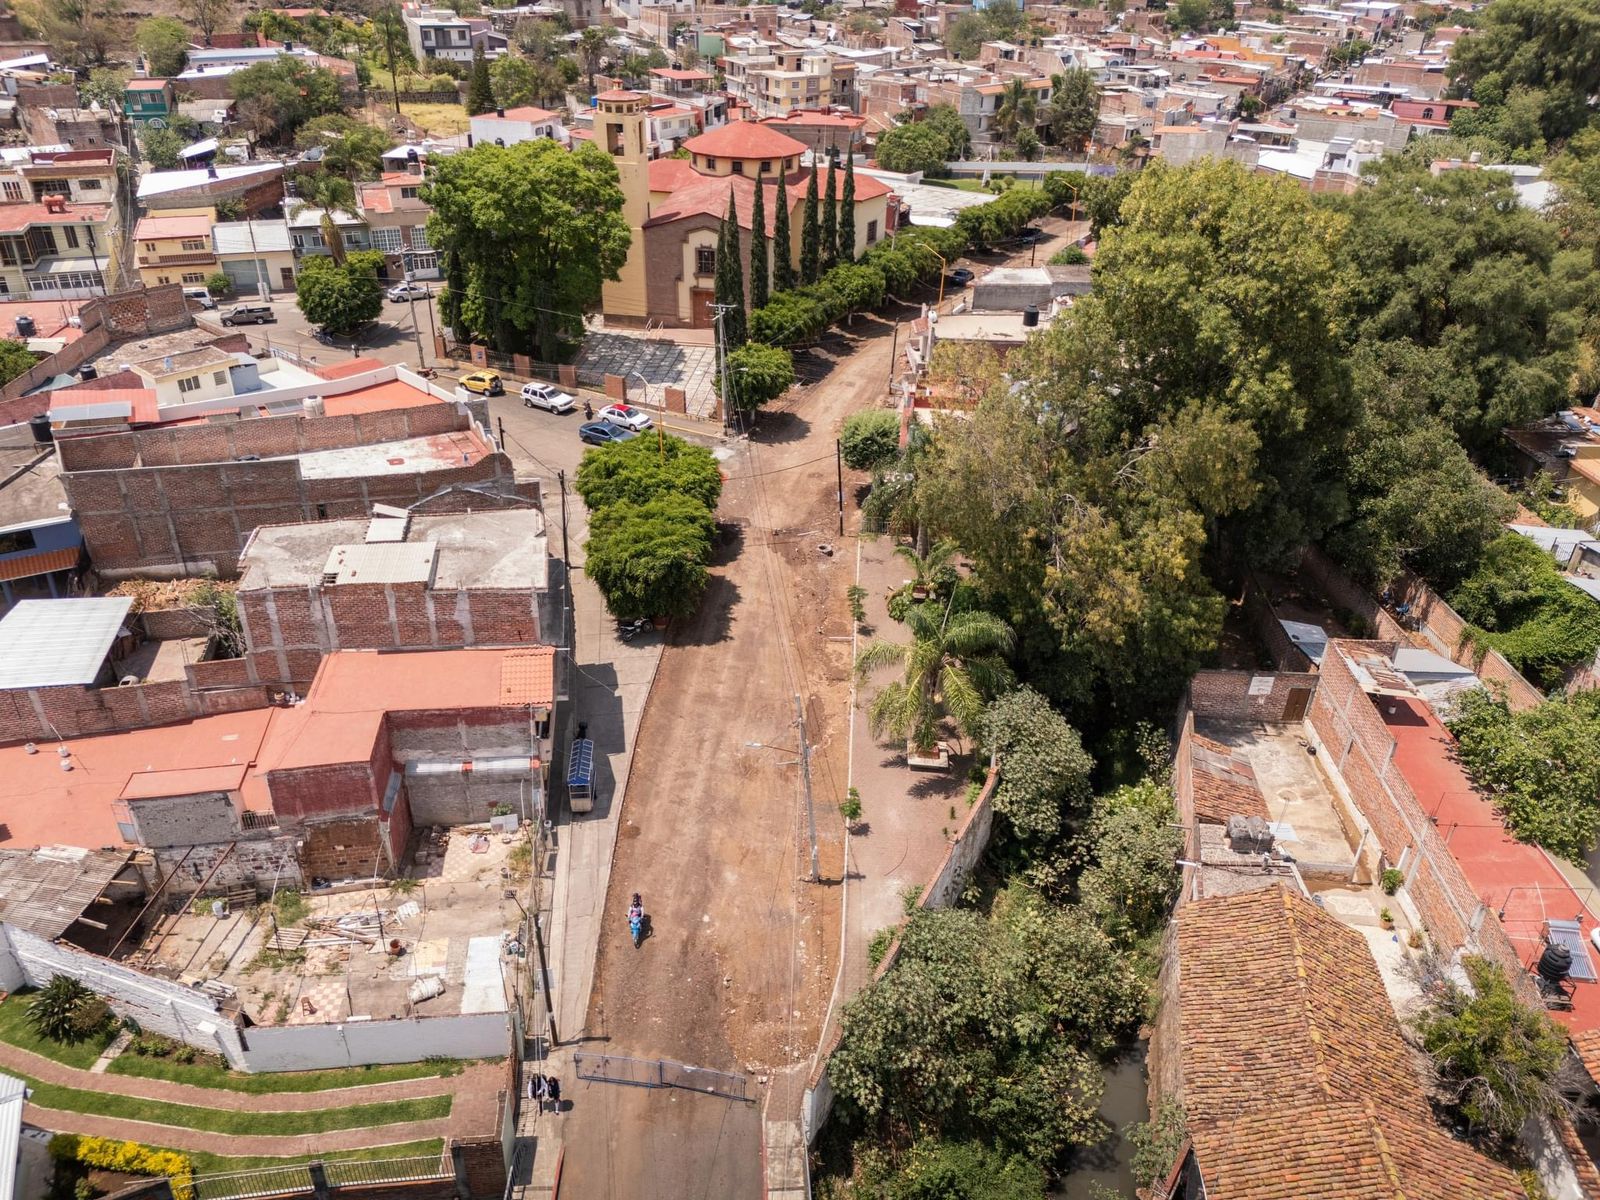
57, 643
234, 237
45, 891
13, 1094
381, 562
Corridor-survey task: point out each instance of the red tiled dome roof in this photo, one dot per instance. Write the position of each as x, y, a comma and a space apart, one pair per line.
744, 139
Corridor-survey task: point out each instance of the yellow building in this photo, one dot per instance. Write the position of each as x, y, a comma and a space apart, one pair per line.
675, 207
175, 247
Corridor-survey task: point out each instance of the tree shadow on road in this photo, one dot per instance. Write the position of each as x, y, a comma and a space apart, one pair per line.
779, 429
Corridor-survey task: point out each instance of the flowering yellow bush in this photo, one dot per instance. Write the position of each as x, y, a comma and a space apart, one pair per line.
130, 1158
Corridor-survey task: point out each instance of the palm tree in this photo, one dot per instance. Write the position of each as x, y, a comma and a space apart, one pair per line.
333, 195
1016, 109
952, 665
926, 568
592, 45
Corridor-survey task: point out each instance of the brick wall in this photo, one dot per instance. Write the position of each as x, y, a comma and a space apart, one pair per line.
167, 624
342, 849
1440, 628
42, 714
176, 502
1359, 749
1286, 656
1226, 695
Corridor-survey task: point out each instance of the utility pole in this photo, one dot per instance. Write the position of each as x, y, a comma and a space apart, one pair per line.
838, 466
566, 549
544, 978
805, 776
894, 345
416, 331
717, 311
566, 564
502, 421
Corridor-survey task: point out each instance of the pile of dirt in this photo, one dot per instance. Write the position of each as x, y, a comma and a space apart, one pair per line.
153, 595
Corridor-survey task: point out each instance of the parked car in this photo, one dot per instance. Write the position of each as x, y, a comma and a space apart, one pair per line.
960, 277
542, 395
485, 383
200, 296
249, 314
408, 291
625, 415
1030, 235
603, 433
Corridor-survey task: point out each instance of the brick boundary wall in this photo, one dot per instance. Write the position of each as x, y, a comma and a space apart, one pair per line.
966, 847
1360, 751
1225, 695
1440, 626
46, 714
1286, 656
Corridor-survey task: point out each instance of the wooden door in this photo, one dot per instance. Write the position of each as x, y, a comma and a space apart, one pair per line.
1295, 708
700, 300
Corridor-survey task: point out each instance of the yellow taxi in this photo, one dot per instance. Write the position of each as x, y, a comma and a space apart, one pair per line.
484, 383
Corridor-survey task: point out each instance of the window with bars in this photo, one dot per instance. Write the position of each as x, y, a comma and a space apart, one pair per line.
387, 240
12, 190
705, 260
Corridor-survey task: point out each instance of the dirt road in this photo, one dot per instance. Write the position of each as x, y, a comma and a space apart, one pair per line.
741, 961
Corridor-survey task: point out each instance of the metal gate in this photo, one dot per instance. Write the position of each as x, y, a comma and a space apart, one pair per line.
661, 1072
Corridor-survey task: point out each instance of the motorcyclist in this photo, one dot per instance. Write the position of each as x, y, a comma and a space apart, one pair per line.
588, 411
636, 919
636, 909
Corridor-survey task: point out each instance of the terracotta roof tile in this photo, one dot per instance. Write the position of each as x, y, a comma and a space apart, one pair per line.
1296, 1081
1224, 784
744, 139
528, 678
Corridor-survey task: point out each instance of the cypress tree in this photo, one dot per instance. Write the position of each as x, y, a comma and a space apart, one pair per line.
808, 234
730, 279
758, 249
847, 212
480, 92
782, 265
830, 220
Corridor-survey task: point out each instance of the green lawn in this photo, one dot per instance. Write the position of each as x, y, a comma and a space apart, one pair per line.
206, 1163
15, 1030
185, 1116
214, 1075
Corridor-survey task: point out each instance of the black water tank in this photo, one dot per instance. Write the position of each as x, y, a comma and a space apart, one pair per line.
1030, 316
39, 426
25, 326
1555, 964
88, 372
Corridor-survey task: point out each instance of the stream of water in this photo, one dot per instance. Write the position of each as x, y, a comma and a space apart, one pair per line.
1123, 1104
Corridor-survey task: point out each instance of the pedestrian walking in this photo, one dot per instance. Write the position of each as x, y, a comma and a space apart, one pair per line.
539, 1092
552, 1087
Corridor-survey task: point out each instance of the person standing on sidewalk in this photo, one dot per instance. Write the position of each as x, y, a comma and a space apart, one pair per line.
552, 1088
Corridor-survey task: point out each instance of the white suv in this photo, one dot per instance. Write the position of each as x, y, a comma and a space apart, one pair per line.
542, 395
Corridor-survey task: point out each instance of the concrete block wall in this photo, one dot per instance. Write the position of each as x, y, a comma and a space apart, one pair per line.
356, 1043
43, 714
261, 861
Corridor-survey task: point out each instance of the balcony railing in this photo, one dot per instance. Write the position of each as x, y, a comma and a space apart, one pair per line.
185, 259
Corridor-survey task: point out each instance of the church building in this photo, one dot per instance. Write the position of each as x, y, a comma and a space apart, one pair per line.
675, 207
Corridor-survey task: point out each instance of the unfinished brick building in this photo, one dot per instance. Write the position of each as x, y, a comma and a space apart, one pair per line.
396, 581
182, 500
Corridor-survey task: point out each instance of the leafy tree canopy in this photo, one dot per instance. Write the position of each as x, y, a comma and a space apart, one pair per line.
1542, 46
276, 98
640, 470
1132, 849
164, 41
760, 374
649, 560
340, 298
349, 147
525, 292
15, 359
870, 440
162, 148
1044, 769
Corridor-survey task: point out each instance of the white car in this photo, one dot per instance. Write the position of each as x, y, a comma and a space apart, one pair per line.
542, 395
408, 291
625, 415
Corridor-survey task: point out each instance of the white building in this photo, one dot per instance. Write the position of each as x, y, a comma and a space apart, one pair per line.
508, 126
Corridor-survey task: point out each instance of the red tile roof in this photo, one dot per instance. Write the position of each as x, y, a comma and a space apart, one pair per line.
744, 139
681, 76
670, 174
1224, 784
701, 195
816, 120
40, 562
616, 94
144, 85
375, 197
1295, 1078
141, 401
154, 228
348, 367
526, 113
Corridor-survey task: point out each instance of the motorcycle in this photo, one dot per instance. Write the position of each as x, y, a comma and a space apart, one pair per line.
636, 921
628, 630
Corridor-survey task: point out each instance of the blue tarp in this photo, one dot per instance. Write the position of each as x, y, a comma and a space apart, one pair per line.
580, 764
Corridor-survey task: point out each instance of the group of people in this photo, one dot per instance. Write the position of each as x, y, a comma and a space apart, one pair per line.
545, 1089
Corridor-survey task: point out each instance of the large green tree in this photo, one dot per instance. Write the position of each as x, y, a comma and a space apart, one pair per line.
340, 297
1016, 109
759, 374
987, 1027
527, 293
729, 280
1540, 47
15, 359
1073, 109
760, 277
1452, 262
349, 147
644, 468
649, 560
1044, 769
276, 98
480, 88
810, 235
782, 256
846, 239
164, 42
830, 220
915, 146
953, 664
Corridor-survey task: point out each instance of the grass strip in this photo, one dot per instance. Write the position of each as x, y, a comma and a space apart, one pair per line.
15, 1031
211, 1120
206, 1163
215, 1075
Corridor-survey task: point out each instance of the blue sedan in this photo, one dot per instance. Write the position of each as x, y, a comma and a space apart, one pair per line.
603, 433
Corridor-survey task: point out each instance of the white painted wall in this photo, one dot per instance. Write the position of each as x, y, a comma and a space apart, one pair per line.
357, 1043
159, 1005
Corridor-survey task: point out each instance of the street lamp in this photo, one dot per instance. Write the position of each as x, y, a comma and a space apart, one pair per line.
661, 414
544, 970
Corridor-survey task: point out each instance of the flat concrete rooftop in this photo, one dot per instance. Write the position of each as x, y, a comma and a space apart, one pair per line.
493, 549
436, 452
307, 972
